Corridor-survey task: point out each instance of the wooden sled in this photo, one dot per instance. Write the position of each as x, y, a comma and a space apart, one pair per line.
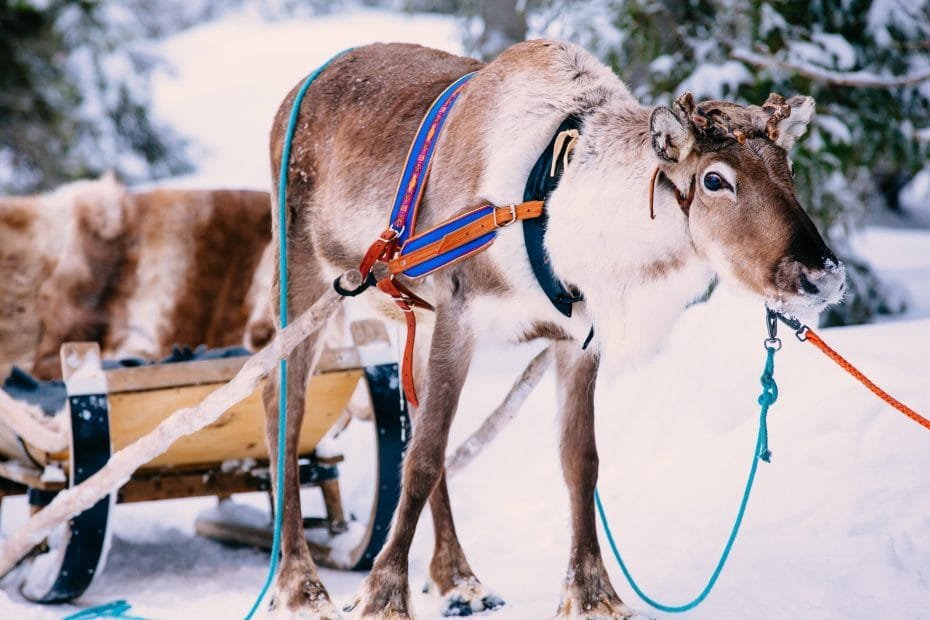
110, 409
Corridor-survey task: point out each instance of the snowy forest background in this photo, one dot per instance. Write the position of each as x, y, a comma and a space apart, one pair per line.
75, 85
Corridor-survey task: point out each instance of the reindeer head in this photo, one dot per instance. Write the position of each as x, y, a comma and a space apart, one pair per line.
743, 215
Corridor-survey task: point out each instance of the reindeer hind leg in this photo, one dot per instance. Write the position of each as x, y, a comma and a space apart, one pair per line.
298, 591
463, 594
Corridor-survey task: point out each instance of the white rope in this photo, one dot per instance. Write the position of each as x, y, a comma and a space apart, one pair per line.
33, 427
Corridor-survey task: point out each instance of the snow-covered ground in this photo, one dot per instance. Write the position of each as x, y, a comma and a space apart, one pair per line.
839, 522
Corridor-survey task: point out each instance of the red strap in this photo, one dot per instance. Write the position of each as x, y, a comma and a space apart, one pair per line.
381, 250
406, 301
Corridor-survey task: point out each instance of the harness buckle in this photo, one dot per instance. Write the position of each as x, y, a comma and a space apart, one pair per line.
390, 234
513, 216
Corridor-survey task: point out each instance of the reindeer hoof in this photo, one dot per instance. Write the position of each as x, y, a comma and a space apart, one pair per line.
576, 606
459, 606
467, 597
381, 597
311, 601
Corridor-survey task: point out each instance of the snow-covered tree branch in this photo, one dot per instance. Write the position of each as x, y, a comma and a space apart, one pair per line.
864, 79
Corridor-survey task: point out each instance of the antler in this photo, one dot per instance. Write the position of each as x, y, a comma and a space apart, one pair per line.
778, 110
723, 119
710, 118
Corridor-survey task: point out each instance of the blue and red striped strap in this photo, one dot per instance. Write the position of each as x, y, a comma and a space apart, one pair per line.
419, 159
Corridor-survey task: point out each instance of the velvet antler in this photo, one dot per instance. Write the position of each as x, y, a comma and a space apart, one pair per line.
778, 110
713, 120
710, 119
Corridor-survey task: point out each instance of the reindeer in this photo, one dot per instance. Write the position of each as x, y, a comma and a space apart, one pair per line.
715, 174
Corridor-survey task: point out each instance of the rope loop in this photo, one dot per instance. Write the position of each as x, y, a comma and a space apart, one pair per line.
766, 399
761, 453
364, 286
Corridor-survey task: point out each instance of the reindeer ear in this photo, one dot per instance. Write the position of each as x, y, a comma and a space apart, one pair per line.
671, 140
794, 126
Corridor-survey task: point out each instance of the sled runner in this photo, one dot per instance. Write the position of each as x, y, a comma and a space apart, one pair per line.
110, 409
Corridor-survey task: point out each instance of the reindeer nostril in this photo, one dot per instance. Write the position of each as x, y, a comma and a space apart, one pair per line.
807, 286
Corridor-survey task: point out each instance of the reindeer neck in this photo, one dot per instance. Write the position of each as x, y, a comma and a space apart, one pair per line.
637, 273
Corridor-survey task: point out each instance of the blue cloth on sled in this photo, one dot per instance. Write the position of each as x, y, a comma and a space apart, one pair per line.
50, 396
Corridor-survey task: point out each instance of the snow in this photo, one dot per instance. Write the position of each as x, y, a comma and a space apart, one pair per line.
663, 65
590, 24
716, 80
834, 127
229, 78
838, 524
915, 196
844, 54
826, 50
902, 16
771, 21
53, 473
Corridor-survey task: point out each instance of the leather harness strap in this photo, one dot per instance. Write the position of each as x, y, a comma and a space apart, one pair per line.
385, 250
499, 217
407, 253
415, 255
406, 300
542, 181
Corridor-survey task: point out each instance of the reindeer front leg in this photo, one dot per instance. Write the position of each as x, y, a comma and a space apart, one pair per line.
385, 593
587, 590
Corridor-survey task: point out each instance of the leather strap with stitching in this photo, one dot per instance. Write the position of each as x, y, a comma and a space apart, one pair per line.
500, 217
407, 300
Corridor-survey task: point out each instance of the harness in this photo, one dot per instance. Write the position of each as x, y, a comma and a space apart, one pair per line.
405, 252
542, 180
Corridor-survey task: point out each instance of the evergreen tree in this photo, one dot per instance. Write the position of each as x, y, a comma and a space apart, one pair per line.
74, 92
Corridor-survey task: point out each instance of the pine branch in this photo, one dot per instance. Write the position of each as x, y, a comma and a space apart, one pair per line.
864, 79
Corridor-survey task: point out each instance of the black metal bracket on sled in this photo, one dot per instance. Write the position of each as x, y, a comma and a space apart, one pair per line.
80, 547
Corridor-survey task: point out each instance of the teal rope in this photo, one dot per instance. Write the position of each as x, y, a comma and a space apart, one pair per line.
766, 399
282, 368
116, 609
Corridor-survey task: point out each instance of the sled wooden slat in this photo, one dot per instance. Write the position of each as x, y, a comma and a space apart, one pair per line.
238, 434
180, 374
158, 485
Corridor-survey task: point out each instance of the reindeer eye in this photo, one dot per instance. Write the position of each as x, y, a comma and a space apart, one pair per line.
714, 182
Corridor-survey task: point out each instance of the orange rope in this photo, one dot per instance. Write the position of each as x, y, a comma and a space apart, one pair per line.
814, 339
